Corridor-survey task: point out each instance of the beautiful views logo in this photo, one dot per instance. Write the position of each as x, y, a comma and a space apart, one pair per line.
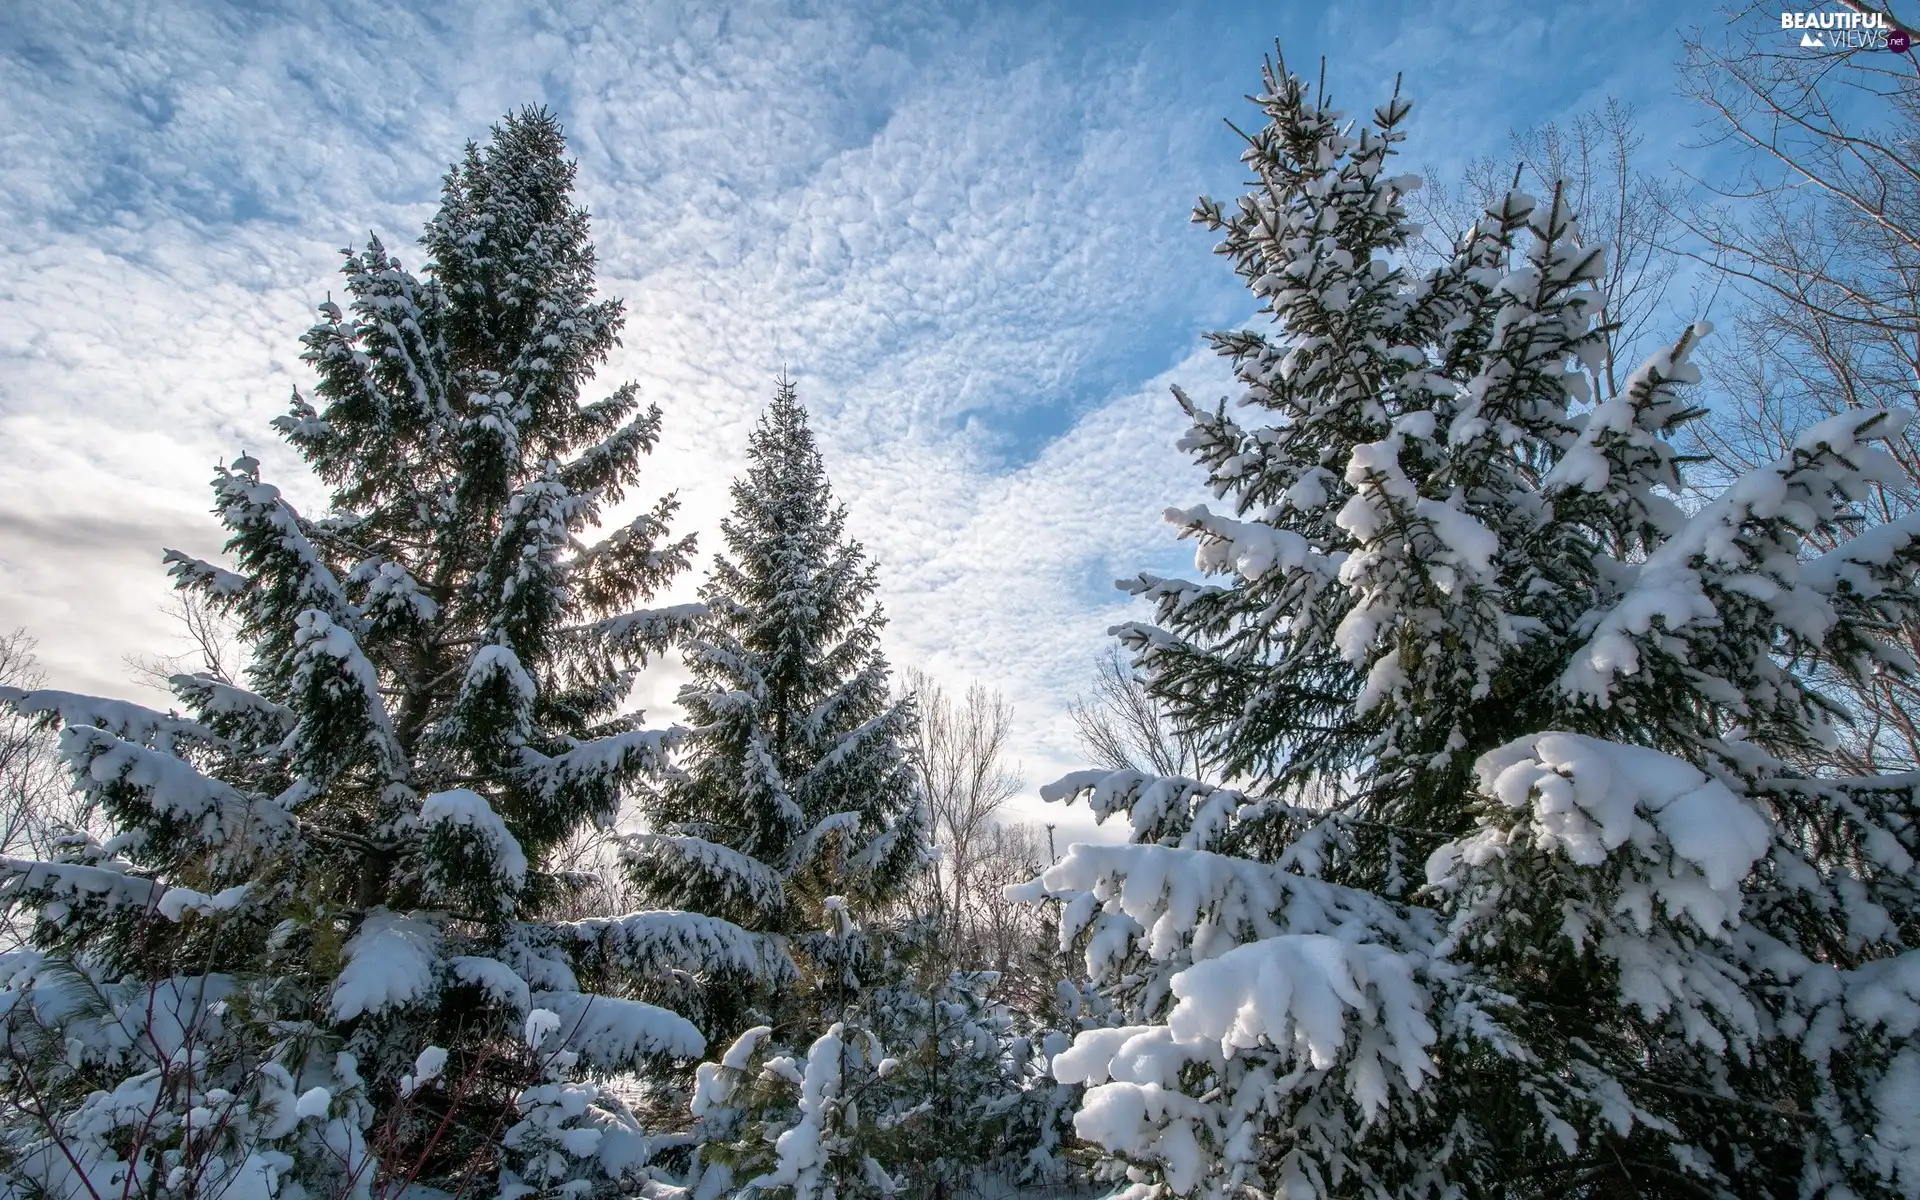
1846, 30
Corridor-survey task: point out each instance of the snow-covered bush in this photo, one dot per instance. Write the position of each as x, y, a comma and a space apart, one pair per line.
795, 1121
876, 1085
573, 1136
1514, 890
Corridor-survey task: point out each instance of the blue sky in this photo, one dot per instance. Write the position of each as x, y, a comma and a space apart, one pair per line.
963, 228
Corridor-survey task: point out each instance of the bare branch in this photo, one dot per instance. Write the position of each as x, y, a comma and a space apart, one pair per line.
1120, 725
960, 750
1819, 233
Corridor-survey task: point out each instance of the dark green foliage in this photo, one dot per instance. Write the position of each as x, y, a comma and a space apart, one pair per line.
436, 700
795, 783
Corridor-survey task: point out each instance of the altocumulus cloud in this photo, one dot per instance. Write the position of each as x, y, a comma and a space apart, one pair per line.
962, 230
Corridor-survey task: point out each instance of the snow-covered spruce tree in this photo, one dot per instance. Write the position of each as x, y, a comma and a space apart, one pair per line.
1516, 893
794, 784
794, 810
328, 885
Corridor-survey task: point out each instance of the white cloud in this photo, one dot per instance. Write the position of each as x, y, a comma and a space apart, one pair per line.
964, 232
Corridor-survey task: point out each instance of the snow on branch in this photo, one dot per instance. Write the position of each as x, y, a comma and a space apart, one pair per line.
878, 730
1298, 990
501, 983
216, 699
393, 597
837, 829
1622, 448
138, 1019
614, 1034
1166, 594
1875, 805
1249, 549
132, 722
605, 467
628, 564
802, 1152
201, 575
714, 1083
1866, 564
467, 810
1156, 806
274, 537
1276, 983
637, 633
1585, 798
23, 879
223, 815
1315, 999
1882, 994
180, 901
1204, 904
665, 940
1745, 542
326, 653
737, 876
392, 961
601, 763
494, 706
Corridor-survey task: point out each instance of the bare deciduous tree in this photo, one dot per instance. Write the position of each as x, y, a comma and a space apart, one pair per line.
1819, 232
31, 788
1120, 725
36, 805
208, 637
960, 750
1014, 938
1629, 210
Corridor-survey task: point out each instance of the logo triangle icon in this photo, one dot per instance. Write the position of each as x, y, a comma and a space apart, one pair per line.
1813, 39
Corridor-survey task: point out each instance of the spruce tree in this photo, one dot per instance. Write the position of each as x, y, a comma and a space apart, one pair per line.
793, 811
1516, 892
311, 961
794, 783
